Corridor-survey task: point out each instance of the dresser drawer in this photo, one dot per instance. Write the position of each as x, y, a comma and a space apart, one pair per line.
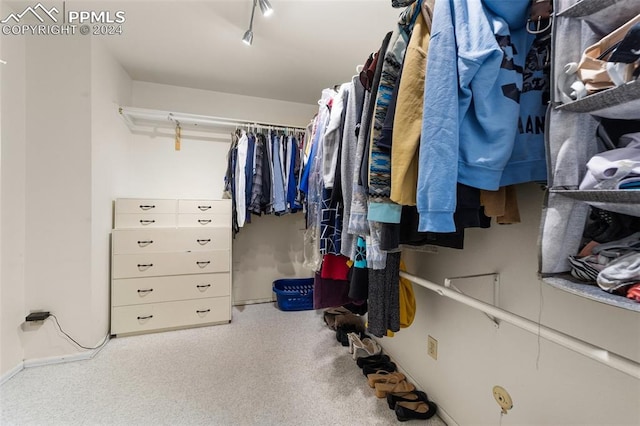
204, 220
157, 316
214, 207
141, 205
156, 264
212, 237
134, 291
133, 241
145, 220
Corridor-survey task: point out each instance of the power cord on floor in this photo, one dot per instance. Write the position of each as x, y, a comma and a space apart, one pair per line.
104, 342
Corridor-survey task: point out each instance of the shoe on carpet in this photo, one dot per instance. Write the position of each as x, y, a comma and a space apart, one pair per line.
415, 410
355, 340
415, 396
343, 331
329, 315
350, 320
365, 348
393, 385
358, 309
383, 376
383, 366
370, 360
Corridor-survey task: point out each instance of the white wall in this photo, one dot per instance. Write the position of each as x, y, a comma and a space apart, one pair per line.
58, 192
12, 200
110, 88
62, 139
561, 387
66, 155
152, 168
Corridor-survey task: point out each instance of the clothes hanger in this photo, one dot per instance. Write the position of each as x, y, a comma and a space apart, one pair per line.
178, 140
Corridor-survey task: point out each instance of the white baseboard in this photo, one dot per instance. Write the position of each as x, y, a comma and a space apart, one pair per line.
9, 374
252, 302
446, 417
80, 356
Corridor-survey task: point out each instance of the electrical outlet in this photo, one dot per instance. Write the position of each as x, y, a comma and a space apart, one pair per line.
503, 398
432, 347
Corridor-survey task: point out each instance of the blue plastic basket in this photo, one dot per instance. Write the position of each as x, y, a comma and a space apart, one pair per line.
294, 294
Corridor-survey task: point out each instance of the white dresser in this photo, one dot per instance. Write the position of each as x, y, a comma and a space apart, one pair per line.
171, 264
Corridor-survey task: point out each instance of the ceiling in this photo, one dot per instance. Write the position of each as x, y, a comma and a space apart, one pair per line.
303, 47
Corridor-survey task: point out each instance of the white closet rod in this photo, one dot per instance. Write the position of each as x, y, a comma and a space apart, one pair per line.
137, 117
596, 353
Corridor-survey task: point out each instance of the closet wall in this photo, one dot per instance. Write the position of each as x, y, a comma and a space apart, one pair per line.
268, 248
550, 385
67, 154
54, 254
12, 169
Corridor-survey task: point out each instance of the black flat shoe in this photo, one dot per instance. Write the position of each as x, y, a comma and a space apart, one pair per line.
370, 360
384, 366
357, 309
415, 410
415, 396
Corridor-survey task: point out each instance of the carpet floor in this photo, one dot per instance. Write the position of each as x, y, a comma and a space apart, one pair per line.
266, 367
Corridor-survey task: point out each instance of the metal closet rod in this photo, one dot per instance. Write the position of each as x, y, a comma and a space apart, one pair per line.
202, 121
596, 353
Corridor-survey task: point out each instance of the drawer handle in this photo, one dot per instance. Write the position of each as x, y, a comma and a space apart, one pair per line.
204, 221
203, 208
144, 266
147, 221
203, 311
202, 264
147, 207
145, 291
203, 242
201, 286
145, 243
145, 318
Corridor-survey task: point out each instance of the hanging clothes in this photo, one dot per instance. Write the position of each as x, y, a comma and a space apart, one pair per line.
359, 280
257, 187
279, 206
381, 209
353, 115
358, 224
292, 185
470, 122
384, 297
249, 171
230, 181
266, 199
311, 185
333, 136
240, 179
408, 116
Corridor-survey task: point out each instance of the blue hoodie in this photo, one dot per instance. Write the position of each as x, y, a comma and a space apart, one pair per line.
470, 130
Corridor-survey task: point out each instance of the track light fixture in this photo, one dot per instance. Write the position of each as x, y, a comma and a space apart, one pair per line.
266, 9
248, 37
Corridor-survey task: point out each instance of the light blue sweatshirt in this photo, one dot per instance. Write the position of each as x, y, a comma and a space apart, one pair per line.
470, 123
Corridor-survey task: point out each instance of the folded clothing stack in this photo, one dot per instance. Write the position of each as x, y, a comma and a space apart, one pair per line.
614, 266
615, 169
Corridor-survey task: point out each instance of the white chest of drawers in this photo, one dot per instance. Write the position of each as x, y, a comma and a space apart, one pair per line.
171, 264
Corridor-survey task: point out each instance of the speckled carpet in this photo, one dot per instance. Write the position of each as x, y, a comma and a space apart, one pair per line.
266, 367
